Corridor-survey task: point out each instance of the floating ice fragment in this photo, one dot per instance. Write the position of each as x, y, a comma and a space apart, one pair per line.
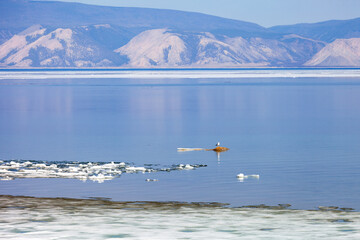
98, 178
151, 180
27, 163
101, 178
96, 167
109, 165
136, 169
40, 165
6, 178
14, 164
242, 176
54, 166
188, 167
73, 169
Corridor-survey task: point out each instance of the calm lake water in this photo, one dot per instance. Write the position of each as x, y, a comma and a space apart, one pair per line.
300, 133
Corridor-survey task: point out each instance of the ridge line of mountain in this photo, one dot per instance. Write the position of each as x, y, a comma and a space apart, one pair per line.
152, 38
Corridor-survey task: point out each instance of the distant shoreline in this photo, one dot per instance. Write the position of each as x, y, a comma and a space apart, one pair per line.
176, 69
185, 73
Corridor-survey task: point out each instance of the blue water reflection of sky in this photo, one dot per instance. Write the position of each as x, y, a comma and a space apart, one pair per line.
303, 139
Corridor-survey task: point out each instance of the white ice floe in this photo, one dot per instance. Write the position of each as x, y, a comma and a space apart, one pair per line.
241, 177
94, 171
185, 167
6, 178
135, 169
188, 167
101, 178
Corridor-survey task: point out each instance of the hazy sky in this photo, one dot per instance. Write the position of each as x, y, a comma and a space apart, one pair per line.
264, 12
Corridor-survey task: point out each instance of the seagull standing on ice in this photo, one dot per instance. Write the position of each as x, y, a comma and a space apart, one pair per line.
218, 144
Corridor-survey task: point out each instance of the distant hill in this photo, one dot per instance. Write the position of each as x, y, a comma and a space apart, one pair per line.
23, 13
59, 34
341, 52
324, 31
164, 48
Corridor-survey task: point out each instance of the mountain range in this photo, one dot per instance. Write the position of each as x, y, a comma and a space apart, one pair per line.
58, 34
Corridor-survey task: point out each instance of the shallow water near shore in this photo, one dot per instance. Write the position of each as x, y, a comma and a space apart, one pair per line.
300, 134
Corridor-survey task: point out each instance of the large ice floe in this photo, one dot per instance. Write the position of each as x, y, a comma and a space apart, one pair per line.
94, 171
61, 218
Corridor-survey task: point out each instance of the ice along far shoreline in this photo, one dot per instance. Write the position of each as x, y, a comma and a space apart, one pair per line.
176, 73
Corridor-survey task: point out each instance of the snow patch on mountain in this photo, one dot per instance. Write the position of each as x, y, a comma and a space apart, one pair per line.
341, 52
21, 46
62, 47
156, 47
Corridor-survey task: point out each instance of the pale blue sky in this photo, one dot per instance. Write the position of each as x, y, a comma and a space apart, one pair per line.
264, 12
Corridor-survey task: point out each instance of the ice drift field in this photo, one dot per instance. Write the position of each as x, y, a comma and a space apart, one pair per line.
93, 171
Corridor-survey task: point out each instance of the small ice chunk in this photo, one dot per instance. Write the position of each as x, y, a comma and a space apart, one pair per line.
96, 167
73, 169
54, 166
6, 178
82, 178
109, 165
240, 175
136, 169
188, 167
27, 163
97, 178
151, 180
14, 164
180, 167
40, 165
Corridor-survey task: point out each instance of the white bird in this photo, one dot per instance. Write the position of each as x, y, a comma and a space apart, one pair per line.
218, 144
